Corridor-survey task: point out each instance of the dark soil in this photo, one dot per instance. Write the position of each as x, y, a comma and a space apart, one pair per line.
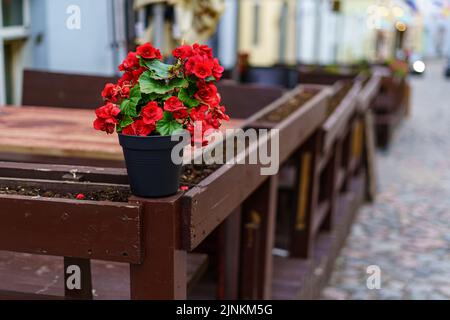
194, 173
108, 194
337, 98
282, 112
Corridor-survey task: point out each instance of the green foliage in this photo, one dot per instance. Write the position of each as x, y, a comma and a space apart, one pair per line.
125, 122
187, 98
128, 106
168, 125
153, 86
158, 70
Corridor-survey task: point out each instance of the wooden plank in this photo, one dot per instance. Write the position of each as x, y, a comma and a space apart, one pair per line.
369, 92
63, 172
229, 241
37, 277
307, 189
337, 122
197, 264
63, 133
63, 227
259, 213
12, 295
162, 274
68, 90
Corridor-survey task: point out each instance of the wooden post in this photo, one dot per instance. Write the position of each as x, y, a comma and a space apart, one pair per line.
307, 189
228, 256
162, 275
331, 188
259, 213
77, 278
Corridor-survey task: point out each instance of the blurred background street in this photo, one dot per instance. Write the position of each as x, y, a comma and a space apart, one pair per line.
405, 232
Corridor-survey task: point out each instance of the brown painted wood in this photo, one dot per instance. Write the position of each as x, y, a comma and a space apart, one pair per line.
12, 295
35, 277
65, 136
296, 278
244, 100
63, 227
85, 290
301, 242
67, 90
337, 122
259, 212
162, 274
228, 257
212, 200
39, 171
369, 92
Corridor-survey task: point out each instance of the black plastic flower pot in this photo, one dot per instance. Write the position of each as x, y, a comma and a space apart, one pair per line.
151, 170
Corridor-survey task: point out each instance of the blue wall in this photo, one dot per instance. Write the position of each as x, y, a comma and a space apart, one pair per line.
84, 50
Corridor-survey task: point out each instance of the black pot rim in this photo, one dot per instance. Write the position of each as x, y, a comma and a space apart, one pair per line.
151, 142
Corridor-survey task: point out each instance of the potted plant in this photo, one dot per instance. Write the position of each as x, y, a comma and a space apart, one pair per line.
154, 104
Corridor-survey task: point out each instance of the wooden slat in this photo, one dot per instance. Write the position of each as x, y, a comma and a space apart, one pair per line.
12, 295
60, 133
68, 90
62, 172
319, 216
36, 277
369, 92
63, 227
337, 122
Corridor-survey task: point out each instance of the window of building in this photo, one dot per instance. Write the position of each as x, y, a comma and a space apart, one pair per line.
13, 35
12, 13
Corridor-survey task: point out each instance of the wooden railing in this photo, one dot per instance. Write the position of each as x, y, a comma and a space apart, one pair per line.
216, 240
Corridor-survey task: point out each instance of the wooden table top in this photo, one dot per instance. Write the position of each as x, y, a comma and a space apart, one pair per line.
60, 132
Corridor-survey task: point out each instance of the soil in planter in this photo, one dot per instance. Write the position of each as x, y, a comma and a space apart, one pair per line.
337, 98
284, 111
194, 173
108, 194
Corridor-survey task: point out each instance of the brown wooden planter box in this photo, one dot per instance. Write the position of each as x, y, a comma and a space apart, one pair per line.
165, 230
80, 231
159, 230
390, 106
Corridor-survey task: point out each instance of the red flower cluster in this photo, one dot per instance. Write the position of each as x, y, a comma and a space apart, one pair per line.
146, 124
106, 118
176, 107
165, 112
199, 61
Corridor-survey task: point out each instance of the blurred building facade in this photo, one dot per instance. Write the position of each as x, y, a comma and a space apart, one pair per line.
85, 36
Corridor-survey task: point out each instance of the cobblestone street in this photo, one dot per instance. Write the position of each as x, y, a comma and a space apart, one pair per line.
406, 232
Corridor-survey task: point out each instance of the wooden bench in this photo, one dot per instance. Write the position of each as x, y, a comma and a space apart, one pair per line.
63, 90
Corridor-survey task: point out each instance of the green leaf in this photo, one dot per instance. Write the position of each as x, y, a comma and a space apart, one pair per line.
168, 125
126, 121
186, 97
158, 69
210, 78
146, 98
128, 106
150, 85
